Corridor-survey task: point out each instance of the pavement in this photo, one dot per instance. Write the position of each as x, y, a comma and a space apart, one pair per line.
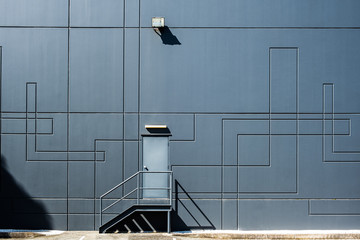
195, 235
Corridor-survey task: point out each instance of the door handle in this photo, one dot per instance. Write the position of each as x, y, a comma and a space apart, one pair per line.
145, 167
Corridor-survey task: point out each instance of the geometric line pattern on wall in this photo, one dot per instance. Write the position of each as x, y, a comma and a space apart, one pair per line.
252, 154
247, 142
334, 207
17, 125
249, 146
235, 128
252, 145
33, 129
333, 125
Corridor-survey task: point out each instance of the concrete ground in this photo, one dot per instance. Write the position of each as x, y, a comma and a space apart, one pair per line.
200, 235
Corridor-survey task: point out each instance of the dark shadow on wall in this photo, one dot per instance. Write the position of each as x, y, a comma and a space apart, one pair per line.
167, 37
17, 209
189, 208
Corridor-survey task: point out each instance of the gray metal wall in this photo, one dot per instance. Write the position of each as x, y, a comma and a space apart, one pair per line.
262, 99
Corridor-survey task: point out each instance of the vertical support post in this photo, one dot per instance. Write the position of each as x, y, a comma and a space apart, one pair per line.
100, 212
170, 198
170, 188
138, 188
168, 222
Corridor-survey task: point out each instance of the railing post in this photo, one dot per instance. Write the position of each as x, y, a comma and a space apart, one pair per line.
138, 189
170, 189
170, 197
168, 222
100, 211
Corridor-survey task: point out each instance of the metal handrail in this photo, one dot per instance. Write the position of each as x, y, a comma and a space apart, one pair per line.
137, 189
119, 185
118, 200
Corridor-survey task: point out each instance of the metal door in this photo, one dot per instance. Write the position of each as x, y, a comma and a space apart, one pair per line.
155, 159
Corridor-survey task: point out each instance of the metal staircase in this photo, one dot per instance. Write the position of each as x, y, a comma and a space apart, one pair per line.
133, 217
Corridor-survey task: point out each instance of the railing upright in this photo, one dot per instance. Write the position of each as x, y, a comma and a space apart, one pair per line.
138, 189
170, 188
100, 211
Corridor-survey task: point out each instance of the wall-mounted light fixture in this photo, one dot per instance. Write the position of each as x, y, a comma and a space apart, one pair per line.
155, 126
157, 23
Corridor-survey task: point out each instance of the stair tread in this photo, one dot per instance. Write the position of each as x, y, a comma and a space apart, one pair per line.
131, 210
